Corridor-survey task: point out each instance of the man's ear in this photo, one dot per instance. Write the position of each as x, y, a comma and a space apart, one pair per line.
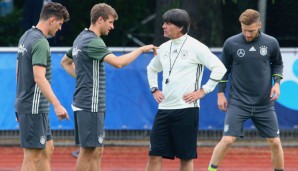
51, 20
260, 25
100, 19
181, 28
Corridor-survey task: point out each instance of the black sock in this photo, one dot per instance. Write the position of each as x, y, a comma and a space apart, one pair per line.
215, 167
278, 170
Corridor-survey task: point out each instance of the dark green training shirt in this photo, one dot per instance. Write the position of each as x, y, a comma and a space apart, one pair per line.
33, 49
251, 66
88, 52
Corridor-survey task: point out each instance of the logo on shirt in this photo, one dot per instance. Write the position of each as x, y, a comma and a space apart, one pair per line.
75, 51
240, 52
263, 50
184, 54
252, 49
22, 49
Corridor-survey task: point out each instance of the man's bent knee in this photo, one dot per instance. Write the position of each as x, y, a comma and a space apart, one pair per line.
49, 149
32, 155
274, 142
98, 152
155, 159
228, 140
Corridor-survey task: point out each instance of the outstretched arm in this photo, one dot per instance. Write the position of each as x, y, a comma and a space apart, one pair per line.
126, 59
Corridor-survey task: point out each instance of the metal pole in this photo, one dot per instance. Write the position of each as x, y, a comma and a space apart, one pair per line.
262, 5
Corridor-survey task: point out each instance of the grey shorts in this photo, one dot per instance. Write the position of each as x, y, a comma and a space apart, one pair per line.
264, 119
89, 128
34, 130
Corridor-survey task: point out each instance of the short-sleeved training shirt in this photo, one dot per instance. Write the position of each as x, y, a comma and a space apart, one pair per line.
33, 49
252, 66
88, 52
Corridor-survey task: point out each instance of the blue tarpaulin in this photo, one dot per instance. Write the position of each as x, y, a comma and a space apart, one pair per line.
130, 105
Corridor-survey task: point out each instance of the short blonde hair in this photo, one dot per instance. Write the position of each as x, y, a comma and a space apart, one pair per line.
102, 10
249, 17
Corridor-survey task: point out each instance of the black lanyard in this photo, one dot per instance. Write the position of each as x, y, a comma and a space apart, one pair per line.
171, 66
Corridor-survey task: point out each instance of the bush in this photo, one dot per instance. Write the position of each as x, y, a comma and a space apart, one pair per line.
11, 28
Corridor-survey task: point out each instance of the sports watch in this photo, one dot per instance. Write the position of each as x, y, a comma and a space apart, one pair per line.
153, 89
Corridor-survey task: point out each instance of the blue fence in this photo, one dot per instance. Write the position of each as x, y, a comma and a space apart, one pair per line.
130, 105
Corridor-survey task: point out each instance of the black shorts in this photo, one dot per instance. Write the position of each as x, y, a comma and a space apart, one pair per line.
89, 128
34, 130
174, 133
264, 119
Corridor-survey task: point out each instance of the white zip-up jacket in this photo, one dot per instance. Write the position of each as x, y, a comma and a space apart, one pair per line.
188, 58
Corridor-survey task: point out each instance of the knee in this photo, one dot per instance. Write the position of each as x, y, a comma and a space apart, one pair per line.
186, 162
98, 152
32, 155
37, 158
274, 142
93, 153
51, 150
228, 140
155, 159
48, 151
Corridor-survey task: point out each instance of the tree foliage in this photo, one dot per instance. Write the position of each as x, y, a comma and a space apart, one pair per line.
140, 21
10, 28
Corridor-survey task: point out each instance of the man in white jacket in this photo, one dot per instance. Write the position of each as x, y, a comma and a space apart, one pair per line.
182, 60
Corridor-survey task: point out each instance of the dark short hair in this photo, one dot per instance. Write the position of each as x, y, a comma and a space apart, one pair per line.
178, 17
103, 10
249, 17
53, 9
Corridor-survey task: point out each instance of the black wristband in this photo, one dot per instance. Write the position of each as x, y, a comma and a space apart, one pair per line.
221, 87
277, 79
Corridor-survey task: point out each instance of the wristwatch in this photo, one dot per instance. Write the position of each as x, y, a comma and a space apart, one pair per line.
153, 89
